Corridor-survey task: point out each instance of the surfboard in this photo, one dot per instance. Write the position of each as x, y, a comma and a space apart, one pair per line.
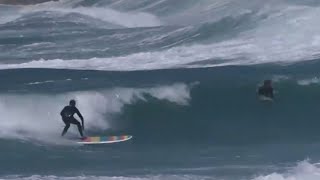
104, 139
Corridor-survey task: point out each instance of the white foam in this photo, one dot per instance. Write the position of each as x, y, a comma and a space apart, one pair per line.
306, 82
275, 39
280, 78
37, 116
303, 171
40, 82
41, 44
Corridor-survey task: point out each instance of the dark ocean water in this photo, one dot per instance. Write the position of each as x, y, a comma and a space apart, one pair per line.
179, 76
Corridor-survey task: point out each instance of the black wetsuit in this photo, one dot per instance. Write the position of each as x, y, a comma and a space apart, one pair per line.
67, 117
266, 91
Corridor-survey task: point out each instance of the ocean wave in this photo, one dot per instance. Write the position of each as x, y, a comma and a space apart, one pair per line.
146, 177
126, 19
220, 54
303, 171
37, 116
251, 35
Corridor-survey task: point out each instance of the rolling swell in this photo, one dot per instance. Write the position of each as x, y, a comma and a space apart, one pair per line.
213, 105
180, 76
223, 109
226, 32
93, 36
210, 105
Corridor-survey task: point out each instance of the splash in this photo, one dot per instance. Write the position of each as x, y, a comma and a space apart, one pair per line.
303, 171
37, 116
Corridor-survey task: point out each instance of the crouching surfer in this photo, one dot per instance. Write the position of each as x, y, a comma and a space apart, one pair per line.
67, 117
265, 92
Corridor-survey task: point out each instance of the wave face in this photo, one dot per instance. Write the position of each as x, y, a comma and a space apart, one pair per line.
180, 76
186, 103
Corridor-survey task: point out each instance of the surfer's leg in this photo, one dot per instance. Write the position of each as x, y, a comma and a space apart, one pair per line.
80, 129
67, 123
74, 121
65, 129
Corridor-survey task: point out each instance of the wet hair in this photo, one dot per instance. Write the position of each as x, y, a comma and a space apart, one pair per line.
72, 102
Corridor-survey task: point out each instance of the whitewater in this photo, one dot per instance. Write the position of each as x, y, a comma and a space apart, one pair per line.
180, 76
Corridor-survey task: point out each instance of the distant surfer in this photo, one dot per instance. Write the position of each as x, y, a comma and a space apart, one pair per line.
67, 117
265, 91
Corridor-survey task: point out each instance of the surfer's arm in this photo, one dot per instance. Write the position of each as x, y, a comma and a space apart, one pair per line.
80, 115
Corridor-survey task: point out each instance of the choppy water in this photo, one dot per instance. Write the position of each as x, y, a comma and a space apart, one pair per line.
179, 75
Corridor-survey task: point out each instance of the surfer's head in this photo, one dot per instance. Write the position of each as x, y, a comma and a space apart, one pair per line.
72, 102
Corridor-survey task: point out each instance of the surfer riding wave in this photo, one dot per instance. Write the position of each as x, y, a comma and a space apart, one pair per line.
67, 117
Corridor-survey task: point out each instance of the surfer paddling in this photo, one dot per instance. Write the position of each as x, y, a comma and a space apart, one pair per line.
67, 117
265, 91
